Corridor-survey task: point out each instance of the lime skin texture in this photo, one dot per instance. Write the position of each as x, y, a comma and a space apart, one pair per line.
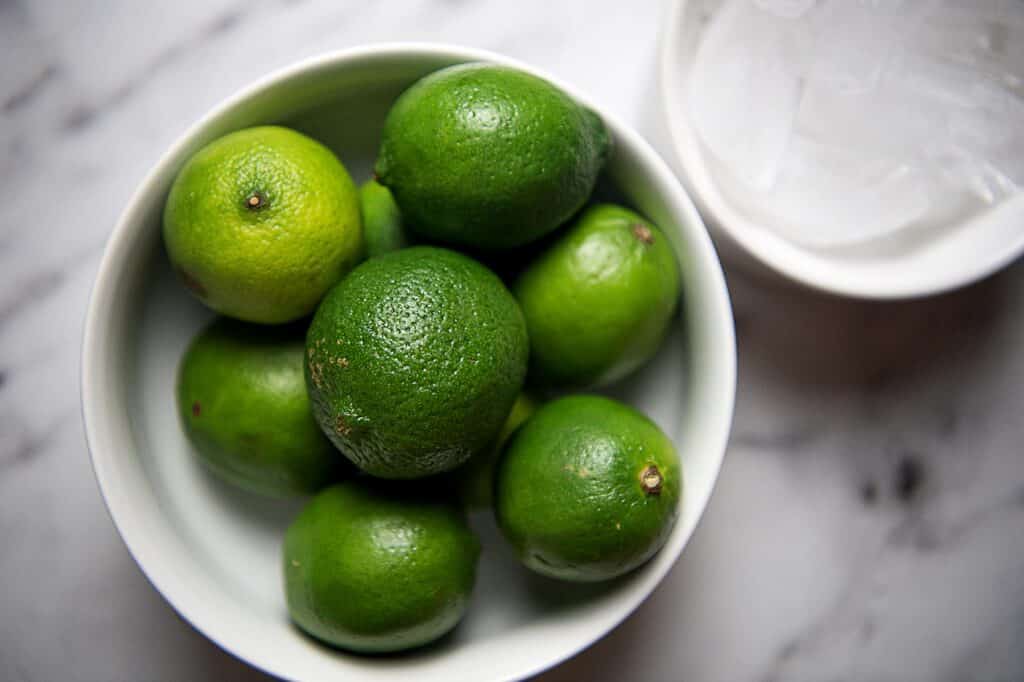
587, 489
489, 157
372, 567
260, 223
414, 360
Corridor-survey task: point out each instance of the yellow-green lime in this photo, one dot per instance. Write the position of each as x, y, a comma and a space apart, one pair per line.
475, 478
599, 300
383, 230
261, 222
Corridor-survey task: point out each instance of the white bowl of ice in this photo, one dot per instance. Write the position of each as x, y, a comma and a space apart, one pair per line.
870, 148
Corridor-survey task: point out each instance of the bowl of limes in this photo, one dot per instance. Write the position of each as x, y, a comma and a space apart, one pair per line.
408, 361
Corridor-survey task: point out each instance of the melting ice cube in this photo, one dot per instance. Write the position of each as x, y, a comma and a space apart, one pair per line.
743, 101
790, 9
830, 197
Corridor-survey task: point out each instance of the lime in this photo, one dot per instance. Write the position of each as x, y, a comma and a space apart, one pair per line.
599, 300
383, 230
587, 489
242, 399
490, 157
414, 361
374, 569
475, 478
261, 222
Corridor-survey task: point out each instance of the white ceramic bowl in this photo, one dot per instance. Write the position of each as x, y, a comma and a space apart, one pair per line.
956, 256
213, 552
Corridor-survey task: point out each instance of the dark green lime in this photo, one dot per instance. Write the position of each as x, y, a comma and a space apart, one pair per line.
489, 157
378, 568
414, 360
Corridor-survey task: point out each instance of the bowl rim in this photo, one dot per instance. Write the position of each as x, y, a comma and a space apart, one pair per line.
783, 258
97, 426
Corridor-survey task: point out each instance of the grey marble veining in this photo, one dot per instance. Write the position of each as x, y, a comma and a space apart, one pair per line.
869, 521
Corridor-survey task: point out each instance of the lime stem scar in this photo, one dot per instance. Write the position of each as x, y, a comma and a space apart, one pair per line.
650, 480
643, 233
255, 201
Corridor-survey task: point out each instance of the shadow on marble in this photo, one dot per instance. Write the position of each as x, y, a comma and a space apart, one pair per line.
799, 336
885, 386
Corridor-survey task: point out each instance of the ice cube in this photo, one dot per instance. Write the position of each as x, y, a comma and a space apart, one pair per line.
857, 92
789, 9
745, 87
890, 120
983, 35
854, 40
977, 180
829, 197
989, 118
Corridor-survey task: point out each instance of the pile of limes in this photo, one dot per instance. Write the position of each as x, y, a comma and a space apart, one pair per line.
401, 402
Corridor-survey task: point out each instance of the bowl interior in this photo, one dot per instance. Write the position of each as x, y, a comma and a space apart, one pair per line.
951, 256
213, 551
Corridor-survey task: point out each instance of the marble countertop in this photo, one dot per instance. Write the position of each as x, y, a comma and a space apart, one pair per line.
869, 520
